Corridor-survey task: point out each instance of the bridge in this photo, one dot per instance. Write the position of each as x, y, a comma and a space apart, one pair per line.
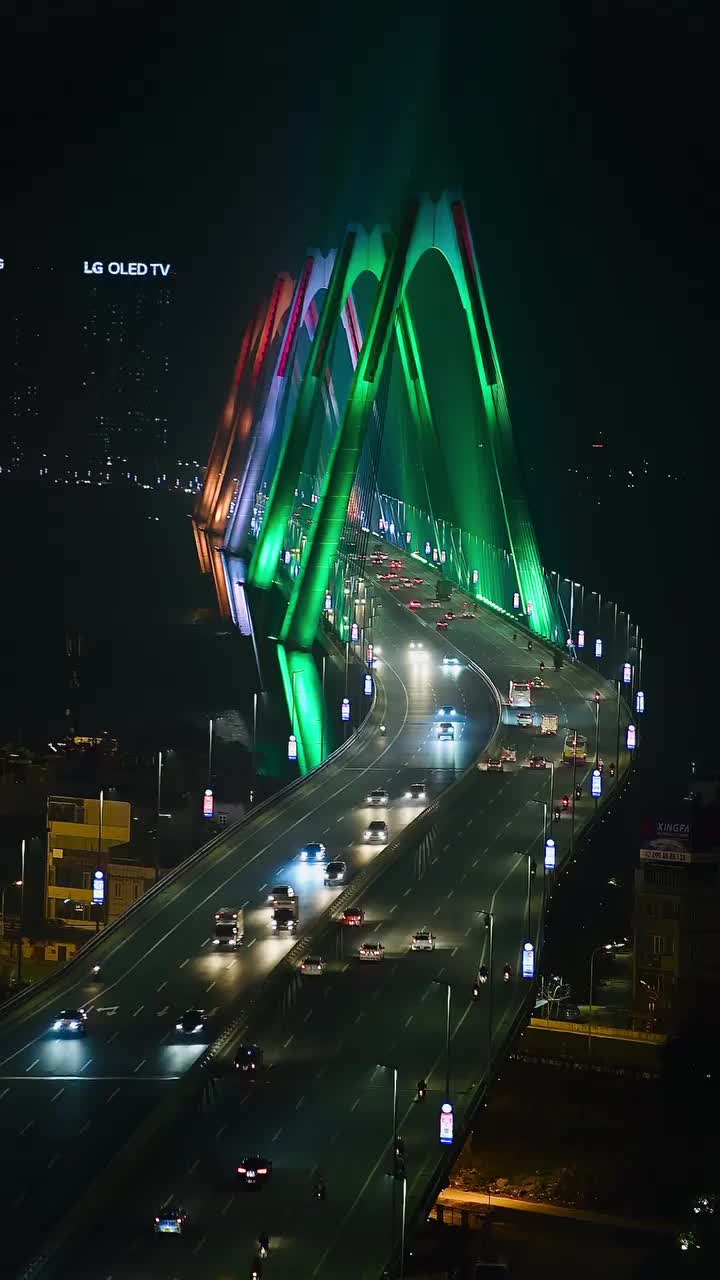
128, 1103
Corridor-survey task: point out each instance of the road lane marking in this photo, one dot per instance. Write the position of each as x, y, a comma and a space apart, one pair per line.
6, 1091
359, 1016
355, 1104
194, 1165
228, 1204
182, 966
299, 1103
289, 1041
475, 863
453, 952
114, 1036
200, 1244
232, 962
408, 1021
86, 1064
161, 987
53, 1160
437, 911
85, 1127
276, 1135
221, 1130
29, 1125
393, 909
32, 1064
308, 1015
114, 1094
138, 1010
407, 891
263, 887
251, 943
139, 1065
161, 1012
450, 894
212, 984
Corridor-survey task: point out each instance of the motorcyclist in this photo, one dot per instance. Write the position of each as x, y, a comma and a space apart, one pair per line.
529, 645
565, 802
612, 769
320, 1189
542, 665
263, 1245
421, 1090
507, 973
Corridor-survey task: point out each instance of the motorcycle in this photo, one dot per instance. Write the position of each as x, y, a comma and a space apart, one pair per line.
542, 666
421, 1090
578, 793
95, 970
612, 770
557, 813
320, 1190
383, 730
263, 1247
565, 802
507, 973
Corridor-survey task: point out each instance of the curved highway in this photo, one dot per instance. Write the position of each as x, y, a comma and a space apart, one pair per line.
324, 1101
67, 1104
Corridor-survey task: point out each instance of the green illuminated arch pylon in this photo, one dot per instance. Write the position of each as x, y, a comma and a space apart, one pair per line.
429, 225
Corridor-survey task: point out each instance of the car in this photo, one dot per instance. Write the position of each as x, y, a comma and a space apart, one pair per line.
537, 683
386, 577
509, 753
171, 1220
446, 711
494, 764
248, 1059
313, 851
70, 1021
416, 791
570, 1012
449, 660
376, 832
407, 582
525, 718
394, 586
280, 893
353, 916
335, 872
423, 940
538, 762
415, 604
445, 732
441, 625
469, 616
371, 951
415, 645
191, 1022
397, 564
254, 1171
450, 615
313, 966
418, 582
378, 796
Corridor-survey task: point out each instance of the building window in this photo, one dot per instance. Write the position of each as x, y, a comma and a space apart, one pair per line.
658, 944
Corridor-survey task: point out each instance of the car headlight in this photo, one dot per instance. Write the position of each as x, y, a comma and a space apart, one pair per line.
74, 1025
303, 853
178, 1026
57, 1024
198, 1027
366, 835
216, 942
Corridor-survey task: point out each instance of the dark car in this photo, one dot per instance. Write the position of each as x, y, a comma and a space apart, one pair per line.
248, 1059
441, 625
538, 762
71, 1022
171, 1220
192, 1022
254, 1171
353, 916
495, 764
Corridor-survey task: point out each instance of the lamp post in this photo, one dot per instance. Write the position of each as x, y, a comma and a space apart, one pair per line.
293, 678
597, 727
159, 782
210, 750
322, 713
617, 734
607, 947
489, 922
552, 793
440, 983
253, 767
531, 868
574, 790
22, 910
402, 1228
388, 1067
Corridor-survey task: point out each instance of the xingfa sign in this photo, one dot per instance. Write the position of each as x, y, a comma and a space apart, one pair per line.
126, 268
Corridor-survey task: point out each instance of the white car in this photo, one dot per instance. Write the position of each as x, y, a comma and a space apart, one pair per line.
313, 966
372, 951
450, 661
378, 796
376, 833
423, 940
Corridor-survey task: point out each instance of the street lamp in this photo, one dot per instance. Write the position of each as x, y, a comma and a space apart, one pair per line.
597, 727
532, 868
293, 678
439, 982
22, 910
607, 947
488, 918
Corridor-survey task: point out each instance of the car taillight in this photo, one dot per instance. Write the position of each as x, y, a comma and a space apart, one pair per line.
241, 1170
262, 1170
157, 1219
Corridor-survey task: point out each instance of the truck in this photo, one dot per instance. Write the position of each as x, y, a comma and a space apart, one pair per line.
575, 747
229, 927
285, 915
520, 694
548, 724
443, 589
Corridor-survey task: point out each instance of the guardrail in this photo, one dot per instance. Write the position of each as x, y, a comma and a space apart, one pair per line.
97, 939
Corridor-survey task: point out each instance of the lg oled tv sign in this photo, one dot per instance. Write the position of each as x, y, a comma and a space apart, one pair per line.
126, 268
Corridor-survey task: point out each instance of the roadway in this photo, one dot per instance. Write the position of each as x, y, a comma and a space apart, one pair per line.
66, 1105
324, 1102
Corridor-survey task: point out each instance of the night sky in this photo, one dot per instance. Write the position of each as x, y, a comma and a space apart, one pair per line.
228, 138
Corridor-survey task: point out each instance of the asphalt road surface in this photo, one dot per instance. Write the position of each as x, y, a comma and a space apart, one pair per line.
67, 1104
324, 1102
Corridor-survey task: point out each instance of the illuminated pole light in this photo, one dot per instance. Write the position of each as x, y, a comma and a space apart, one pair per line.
370, 652
355, 632
286, 557
581, 640
529, 608
443, 557
549, 854
528, 960
292, 747
392, 529
436, 555
428, 549
475, 576
598, 648
627, 673
640, 702
345, 710
368, 685
516, 600
328, 602
596, 784
631, 740
408, 537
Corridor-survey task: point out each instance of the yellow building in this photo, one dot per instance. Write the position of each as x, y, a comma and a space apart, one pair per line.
80, 889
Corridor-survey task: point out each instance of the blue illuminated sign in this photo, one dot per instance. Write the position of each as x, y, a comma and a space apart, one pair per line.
345, 709
447, 1124
98, 887
292, 747
528, 960
627, 673
581, 639
598, 648
596, 784
476, 576
640, 702
368, 685
354, 632
516, 600
549, 854
428, 548
631, 739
